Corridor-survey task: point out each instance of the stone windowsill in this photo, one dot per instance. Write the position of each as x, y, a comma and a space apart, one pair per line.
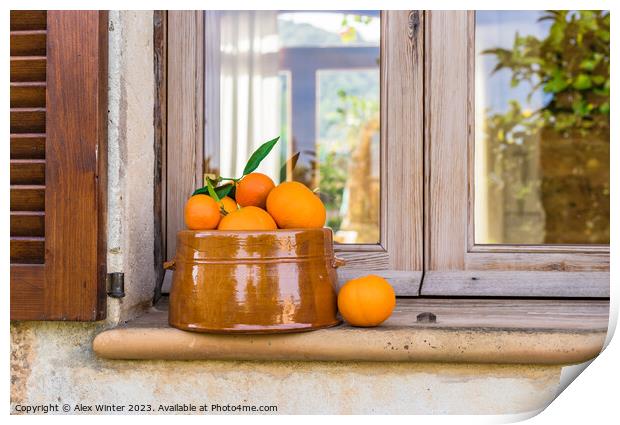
467, 330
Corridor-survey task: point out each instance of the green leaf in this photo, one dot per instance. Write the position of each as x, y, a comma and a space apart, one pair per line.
259, 155
582, 82
211, 191
201, 191
224, 190
232, 193
220, 191
514, 82
557, 82
587, 64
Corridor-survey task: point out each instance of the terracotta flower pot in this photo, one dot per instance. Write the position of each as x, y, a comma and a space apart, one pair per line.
254, 281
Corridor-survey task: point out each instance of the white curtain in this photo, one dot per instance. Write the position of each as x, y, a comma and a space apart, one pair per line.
249, 89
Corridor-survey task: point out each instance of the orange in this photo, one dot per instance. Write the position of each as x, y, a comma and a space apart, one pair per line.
366, 301
253, 189
228, 204
248, 218
292, 205
201, 213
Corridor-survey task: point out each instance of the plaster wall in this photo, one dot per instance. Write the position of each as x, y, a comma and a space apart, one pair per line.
131, 160
53, 362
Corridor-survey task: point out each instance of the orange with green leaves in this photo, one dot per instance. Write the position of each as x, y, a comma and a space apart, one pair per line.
253, 201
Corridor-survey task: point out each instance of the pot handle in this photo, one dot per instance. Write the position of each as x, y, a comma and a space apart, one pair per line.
338, 262
170, 265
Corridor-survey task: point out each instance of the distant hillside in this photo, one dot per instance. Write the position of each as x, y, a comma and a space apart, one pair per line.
294, 34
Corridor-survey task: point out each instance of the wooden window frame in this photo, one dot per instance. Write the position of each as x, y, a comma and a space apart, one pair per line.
185, 126
455, 264
426, 248
70, 282
399, 254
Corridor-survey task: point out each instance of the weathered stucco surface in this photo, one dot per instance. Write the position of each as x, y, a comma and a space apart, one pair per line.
61, 368
54, 363
131, 160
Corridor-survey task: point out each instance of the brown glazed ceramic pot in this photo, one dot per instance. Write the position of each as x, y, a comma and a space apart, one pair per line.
254, 281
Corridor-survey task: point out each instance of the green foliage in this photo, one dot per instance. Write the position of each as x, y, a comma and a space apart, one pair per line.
347, 101
354, 84
334, 223
211, 191
220, 191
566, 139
333, 171
217, 191
571, 65
352, 113
356, 110
348, 33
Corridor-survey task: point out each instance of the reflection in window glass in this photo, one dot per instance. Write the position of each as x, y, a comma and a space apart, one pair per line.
313, 79
348, 152
542, 127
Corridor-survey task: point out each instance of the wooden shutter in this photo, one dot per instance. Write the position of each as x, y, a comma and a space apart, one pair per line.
58, 164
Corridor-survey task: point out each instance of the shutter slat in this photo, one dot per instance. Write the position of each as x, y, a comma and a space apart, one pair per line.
28, 95
28, 68
28, 20
27, 250
28, 100
27, 120
28, 43
27, 171
28, 145
27, 223
27, 198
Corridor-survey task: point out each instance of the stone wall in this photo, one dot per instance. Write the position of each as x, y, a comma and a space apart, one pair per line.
54, 363
131, 160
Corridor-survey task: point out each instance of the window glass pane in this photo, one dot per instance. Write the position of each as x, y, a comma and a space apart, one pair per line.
313, 79
329, 29
542, 127
348, 152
